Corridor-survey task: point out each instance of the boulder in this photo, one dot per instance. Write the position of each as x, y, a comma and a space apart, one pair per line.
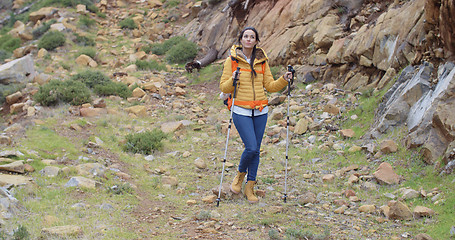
20, 70
386, 175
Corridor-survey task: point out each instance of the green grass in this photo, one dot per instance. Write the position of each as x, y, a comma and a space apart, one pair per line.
209, 73
48, 143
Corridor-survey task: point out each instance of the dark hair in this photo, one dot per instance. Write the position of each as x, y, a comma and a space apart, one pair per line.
253, 55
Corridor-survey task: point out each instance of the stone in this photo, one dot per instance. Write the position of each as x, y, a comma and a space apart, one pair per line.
191, 202
92, 112
50, 171
82, 182
347, 133
367, 208
63, 231
81, 8
137, 110
340, 210
170, 127
171, 181
15, 180
353, 179
409, 194
388, 146
17, 167
308, 197
21, 70
328, 178
85, 60
301, 127
386, 175
179, 91
16, 108
422, 236
91, 170
13, 98
332, 109
5, 140
42, 13
138, 92
200, 163
421, 211
399, 211
209, 199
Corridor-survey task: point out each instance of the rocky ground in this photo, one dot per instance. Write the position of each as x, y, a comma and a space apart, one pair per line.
337, 188
66, 176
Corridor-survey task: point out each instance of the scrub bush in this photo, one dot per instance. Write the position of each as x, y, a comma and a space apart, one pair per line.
83, 40
182, 52
55, 91
9, 43
162, 48
152, 65
91, 78
145, 142
38, 32
127, 23
91, 52
113, 88
51, 40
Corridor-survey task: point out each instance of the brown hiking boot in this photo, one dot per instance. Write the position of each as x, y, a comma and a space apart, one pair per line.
249, 192
236, 185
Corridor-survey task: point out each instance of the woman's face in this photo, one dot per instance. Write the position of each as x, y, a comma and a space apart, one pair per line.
248, 39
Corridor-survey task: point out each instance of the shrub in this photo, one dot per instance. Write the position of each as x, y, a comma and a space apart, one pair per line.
113, 88
92, 8
48, 94
172, 3
182, 52
70, 91
21, 233
91, 78
83, 40
121, 189
144, 142
147, 48
162, 48
51, 40
152, 65
38, 32
4, 55
85, 21
9, 43
91, 52
65, 3
101, 14
127, 23
74, 92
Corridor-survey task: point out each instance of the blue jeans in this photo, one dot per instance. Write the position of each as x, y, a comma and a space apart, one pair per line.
251, 130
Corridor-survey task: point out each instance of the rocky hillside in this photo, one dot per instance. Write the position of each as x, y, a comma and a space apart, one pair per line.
371, 139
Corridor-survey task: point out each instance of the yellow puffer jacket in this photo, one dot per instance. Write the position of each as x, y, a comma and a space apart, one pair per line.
250, 89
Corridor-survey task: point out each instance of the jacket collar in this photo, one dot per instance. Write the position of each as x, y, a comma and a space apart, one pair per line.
236, 52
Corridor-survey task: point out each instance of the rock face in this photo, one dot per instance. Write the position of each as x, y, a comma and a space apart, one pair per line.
20, 70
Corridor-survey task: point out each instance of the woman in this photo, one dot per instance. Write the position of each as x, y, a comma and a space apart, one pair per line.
250, 110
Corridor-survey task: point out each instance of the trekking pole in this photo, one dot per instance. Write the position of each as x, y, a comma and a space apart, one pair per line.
290, 69
236, 78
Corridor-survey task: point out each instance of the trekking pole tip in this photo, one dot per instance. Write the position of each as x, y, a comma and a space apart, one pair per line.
217, 202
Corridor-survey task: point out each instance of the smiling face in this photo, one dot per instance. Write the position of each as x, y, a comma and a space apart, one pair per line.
249, 39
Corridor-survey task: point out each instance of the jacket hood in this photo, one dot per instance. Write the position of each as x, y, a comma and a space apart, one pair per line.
236, 52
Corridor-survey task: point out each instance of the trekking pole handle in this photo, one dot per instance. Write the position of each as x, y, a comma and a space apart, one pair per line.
290, 69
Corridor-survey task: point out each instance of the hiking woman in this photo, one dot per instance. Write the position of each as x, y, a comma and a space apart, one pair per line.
250, 110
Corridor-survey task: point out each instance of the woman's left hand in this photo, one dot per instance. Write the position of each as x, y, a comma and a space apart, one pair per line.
288, 76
